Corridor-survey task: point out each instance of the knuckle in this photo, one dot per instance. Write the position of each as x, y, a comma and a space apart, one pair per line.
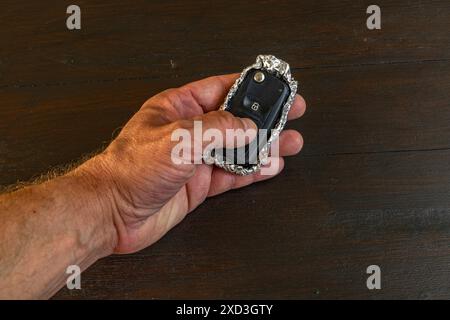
161, 99
167, 96
184, 93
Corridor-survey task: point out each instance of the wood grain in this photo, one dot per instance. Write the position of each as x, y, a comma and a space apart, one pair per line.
370, 187
160, 39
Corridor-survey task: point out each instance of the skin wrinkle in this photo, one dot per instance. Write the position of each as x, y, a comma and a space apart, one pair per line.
205, 183
191, 94
121, 200
167, 103
156, 113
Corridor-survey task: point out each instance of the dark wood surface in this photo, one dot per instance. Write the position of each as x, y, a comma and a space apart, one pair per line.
370, 187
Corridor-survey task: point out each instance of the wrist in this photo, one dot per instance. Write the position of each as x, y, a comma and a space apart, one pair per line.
97, 191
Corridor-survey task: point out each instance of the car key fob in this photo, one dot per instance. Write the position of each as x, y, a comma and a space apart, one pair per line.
264, 92
260, 97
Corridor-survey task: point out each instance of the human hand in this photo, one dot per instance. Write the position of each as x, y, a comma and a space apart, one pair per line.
148, 193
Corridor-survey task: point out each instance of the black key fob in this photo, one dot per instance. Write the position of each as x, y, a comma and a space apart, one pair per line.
264, 93
260, 97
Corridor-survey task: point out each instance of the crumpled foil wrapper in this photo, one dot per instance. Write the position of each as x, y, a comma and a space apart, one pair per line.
282, 70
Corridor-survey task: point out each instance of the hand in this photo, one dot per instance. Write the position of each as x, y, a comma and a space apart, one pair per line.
150, 194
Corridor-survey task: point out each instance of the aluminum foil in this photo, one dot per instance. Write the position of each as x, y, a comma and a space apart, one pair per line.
281, 69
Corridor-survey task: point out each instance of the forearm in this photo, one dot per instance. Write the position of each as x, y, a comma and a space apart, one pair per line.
45, 228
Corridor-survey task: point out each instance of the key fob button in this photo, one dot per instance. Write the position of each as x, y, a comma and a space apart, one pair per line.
269, 94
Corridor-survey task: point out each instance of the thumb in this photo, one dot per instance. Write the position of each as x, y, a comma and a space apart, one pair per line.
221, 129
213, 130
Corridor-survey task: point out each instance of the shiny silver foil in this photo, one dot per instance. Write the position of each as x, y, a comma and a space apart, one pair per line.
281, 69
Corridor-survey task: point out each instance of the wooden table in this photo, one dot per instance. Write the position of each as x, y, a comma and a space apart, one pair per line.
371, 186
